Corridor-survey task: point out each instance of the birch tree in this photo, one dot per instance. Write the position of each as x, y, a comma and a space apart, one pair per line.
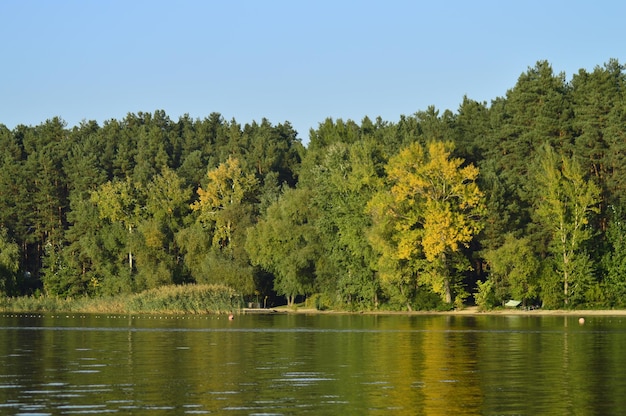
565, 202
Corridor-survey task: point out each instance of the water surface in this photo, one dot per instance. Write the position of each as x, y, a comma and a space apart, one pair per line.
312, 364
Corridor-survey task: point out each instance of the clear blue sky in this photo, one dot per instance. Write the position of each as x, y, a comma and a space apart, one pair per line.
297, 60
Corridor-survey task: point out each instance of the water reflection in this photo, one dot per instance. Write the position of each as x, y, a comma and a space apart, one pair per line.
300, 364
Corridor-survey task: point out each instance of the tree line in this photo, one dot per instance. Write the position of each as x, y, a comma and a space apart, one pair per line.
519, 199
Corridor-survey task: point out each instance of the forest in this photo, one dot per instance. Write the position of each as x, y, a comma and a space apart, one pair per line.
519, 199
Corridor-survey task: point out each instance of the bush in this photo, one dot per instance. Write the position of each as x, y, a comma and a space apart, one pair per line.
319, 301
485, 297
427, 300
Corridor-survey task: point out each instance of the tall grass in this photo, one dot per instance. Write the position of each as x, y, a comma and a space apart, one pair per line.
187, 299
199, 299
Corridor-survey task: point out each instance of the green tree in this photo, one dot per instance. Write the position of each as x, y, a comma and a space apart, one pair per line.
273, 149
536, 110
9, 264
513, 270
470, 129
167, 199
120, 202
153, 145
597, 97
614, 261
284, 243
225, 207
565, 201
165, 207
399, 257
68, 269
344, 182
15, 205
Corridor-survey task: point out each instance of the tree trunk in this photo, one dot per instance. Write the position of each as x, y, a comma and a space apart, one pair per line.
566, 277
446, 279
130, 251
448, 291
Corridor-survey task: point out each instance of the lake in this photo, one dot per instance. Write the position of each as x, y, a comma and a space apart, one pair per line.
293, 364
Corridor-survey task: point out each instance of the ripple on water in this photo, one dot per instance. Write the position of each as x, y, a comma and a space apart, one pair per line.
11, 386
303, 377
83, 408
194, 409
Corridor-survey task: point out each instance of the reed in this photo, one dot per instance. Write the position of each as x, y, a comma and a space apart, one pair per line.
186, 299
193, 299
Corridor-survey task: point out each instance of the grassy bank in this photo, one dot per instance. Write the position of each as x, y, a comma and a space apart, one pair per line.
188, 299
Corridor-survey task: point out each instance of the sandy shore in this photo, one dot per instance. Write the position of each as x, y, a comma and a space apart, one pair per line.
515, 311
472, 310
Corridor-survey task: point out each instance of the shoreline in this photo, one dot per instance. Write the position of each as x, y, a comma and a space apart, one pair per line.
469, 311
302, 310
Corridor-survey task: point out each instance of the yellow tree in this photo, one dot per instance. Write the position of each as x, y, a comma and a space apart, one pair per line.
225, 208
220, 200
119, 202
432, 208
